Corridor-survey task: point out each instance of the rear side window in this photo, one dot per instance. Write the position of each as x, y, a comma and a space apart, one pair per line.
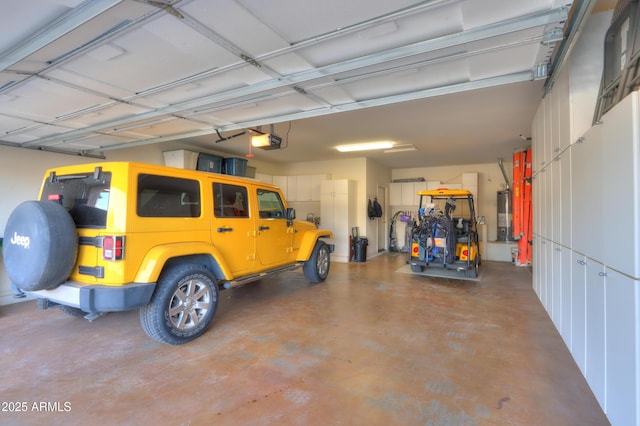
84, 195
164, 196
230, 200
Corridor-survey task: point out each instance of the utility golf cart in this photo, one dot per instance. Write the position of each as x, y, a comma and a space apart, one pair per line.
445, 241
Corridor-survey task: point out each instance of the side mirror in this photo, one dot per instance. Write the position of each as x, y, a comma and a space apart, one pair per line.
291, 214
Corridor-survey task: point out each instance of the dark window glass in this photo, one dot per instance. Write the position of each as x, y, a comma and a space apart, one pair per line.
230, 200
270, 204
84, 195
164, 196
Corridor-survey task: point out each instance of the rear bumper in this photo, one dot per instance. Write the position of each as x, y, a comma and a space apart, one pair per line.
99, 298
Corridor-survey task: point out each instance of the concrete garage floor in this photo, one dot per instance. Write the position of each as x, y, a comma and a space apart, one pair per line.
370, 346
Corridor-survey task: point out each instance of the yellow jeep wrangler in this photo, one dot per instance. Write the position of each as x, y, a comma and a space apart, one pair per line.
117, 236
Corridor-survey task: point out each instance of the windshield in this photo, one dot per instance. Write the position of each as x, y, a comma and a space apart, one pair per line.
85, 196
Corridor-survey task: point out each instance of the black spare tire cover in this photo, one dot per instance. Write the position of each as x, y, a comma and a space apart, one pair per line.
40, 245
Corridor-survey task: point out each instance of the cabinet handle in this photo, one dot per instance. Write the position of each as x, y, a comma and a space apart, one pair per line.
580, 139
581, 262
602, 274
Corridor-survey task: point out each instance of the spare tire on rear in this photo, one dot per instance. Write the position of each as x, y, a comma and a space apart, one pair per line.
40, 245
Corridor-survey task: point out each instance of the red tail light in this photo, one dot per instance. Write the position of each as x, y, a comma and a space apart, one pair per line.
112, 248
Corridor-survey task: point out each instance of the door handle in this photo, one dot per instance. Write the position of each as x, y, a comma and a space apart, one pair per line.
225, 229
262, 228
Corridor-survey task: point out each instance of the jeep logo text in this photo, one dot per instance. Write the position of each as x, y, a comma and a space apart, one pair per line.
20, 240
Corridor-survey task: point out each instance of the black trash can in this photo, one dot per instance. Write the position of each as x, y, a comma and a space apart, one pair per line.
360, 249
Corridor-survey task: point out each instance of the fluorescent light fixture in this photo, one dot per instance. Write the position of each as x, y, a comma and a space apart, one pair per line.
367, 146
401, 148
266, 141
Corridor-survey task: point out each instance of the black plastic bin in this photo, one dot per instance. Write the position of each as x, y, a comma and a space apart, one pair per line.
360, 249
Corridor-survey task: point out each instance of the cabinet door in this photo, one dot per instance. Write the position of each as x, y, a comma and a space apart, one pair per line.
547, 277
556, 200
316, 181
542, 199
537, 265
595, 330
408, 194
303, 188
281, 182
564, 109
556, 286
566, 295
622, 348
395, 194
565, 201
578, 310
417, 187
292, 188
620, 198
341, 227
587, 227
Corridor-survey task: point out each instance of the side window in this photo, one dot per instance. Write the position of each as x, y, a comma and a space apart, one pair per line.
164, 196
230, 200
270, 204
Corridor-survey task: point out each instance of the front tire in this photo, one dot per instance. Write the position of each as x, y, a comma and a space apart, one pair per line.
316, 269
183, 305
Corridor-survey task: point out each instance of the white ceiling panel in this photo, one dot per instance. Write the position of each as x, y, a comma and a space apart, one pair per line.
110, 112
162, 128
41, 100
149, 60
300, 20
406, 81
511, 61
27, 17
477, 13
289, 63
89, 142
34, 133
237, 25
86, 35
434, 23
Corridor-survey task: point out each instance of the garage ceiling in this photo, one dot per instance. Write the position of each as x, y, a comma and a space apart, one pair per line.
458, 79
